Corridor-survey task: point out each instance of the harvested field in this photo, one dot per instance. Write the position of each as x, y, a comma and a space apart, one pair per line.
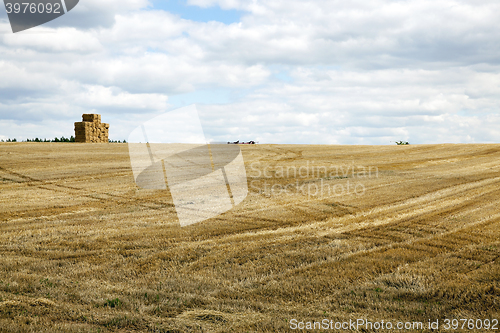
407, 233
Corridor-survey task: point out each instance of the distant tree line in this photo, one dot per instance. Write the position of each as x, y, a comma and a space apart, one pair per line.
56, 139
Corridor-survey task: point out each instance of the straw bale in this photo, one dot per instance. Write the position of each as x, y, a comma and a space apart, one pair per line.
91, 130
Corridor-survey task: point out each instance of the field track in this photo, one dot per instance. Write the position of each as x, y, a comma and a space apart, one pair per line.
83, 249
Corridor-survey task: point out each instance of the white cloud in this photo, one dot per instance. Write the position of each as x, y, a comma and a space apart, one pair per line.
101, 97
309, 72
60, 41
91, 14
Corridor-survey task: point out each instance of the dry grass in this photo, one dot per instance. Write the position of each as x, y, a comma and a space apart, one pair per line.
84, 250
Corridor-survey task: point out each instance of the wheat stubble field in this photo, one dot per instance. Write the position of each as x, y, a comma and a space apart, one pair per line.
83, 249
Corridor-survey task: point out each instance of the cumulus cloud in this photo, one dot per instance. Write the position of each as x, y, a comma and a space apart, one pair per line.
305, 72
91, 14
66, 40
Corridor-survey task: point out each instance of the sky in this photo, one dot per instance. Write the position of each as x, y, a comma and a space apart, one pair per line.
273, 71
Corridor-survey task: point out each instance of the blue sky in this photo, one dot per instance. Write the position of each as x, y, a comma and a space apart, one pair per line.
196, 13
329, 72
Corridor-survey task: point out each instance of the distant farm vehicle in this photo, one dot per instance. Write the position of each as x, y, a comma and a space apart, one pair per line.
242, 143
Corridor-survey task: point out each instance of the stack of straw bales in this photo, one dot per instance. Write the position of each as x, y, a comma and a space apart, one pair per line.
91, 130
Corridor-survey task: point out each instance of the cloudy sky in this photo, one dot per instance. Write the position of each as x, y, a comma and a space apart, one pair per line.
274, 71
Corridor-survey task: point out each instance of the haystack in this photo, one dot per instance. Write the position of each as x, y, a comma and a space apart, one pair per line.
91, 130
